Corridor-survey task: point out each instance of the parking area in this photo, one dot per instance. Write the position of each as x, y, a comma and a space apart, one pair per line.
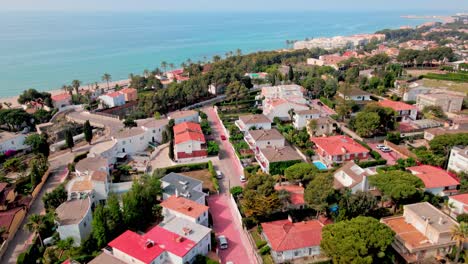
227, 224
391, 156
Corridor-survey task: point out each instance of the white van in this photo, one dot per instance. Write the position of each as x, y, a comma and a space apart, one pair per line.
223, 243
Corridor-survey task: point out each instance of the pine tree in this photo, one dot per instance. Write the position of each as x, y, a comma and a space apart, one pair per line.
69, 140
88, 132
291, 73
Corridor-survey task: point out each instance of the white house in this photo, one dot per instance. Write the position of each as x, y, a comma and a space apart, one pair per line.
174, 184
184, 116
246, 122
60, 101
96, 185
269, 155
153, 128
458, 160
315, 62
87, 166
74, 219
355, 94
404, 111
113, 99
259, 139
301, 118
283, 91
351, 176
189, 142
281, 108
12, 141
178, 206
436, 181
458, 204
289, 241
131, 140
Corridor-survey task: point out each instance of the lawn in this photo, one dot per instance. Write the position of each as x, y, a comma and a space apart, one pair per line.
452, 86
202, 175
267, 259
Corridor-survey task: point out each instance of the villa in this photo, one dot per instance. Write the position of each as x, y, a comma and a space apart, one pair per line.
12, 141
404, 111
270, 155
338, 149
353, 177
177, 206
281, 108
60, 101
184, 116
301, 118
113, 99
189, 141
258, 139
436, 180
356, 95
74, 219
247, 122
458, 204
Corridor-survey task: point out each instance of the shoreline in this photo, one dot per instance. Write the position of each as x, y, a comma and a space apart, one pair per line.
13, 100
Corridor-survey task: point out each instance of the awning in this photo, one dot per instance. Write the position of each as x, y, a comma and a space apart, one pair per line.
121, 155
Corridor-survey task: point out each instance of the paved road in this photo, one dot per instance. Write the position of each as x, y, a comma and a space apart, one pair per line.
225, 223
391, 157
112, 124
22, 238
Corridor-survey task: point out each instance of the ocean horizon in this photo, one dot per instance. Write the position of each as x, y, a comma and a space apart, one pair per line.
49, 49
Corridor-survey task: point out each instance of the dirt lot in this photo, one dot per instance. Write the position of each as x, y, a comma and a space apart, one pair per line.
202, 175
452, 86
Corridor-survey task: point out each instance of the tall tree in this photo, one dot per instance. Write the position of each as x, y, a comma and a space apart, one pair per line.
88, 132
55, 198
76, 86
359, 240
290, 73
107, 78
38, 144
114, 216
354, 205
69, 142
64, 245
35, 224
300, 171
459, 233
99, 223
367, 124
318, 191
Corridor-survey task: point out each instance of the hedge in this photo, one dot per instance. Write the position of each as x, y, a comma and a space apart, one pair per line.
213, 175
279, 167
371, 163
260, 244
264, 250
187, 167
456, 77
327, 102
80, 156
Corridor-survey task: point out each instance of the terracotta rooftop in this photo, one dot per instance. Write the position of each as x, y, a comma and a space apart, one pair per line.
407, 232
82, 186
338, 145
433, 177
270, 134
184, 206
188, 131
128, 90
462, 198
73, 211
61, 97
397, 106
284, 235
254, 119
296, 193
308, 112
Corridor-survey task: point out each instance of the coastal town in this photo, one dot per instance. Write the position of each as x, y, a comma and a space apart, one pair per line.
348, 149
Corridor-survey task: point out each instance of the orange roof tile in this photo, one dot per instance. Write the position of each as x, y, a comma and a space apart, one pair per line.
184, 206
397, 106
433, 177
339, 145
284, 235
61, 97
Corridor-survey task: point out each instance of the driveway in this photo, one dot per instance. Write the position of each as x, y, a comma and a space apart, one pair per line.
391, 157
228, 162
226, 223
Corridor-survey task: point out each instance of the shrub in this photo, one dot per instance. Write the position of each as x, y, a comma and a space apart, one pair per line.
371, 163
80, 157
327, 102
213, 148
462, 218
375, 155
187, 167
260, 244
249, 222
264, 250
236, 191
213, 175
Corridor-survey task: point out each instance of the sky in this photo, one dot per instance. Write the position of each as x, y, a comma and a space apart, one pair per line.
234, 5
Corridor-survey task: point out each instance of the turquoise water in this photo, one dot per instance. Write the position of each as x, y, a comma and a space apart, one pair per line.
46, 50
320, 165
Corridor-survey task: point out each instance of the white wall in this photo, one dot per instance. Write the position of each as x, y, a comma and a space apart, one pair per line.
270, 143
457, 162
300, 121
113, 101
201, 219
133, 144
192, 118
79, 231
16, 143
299, 253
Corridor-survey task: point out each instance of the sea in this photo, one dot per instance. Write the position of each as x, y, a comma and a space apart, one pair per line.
44, 50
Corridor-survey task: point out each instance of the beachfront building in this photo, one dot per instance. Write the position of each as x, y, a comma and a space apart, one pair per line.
174, 184
458, 160
448, 102
258, 139
74, 219
339, 149
436, 180
421, 233
302, 118
60, 101
12, 141
269, 157
405, 112
180, 207
184, 116
289, 241
189, 141
130, 94
353, 177
113, 99
247, 122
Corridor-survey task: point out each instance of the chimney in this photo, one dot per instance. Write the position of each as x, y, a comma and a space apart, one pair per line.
149, 244
441, 221
290, 218
176, 193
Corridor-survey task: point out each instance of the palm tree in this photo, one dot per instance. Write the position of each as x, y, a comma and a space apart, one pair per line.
107, 77
238, 52
189, 61
172, 66
183, 65
7, 104
146, 73
76, 85
164, 66
67, 89
64, 245
459, 234
35, 224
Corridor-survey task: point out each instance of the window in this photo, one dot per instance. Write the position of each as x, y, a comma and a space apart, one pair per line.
296, 253
123, 142
268, 142
154, 131
12, 142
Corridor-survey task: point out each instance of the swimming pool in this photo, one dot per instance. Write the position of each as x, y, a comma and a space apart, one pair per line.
320, 165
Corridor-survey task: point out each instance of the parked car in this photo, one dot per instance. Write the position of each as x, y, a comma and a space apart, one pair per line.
386, 149
223, 242
223, 137
380, 146
219, 175
242, 178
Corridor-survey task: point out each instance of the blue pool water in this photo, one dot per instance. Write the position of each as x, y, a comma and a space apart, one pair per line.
320, 165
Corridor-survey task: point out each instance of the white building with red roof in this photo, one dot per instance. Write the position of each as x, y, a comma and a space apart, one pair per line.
280, 107
436, 180
458, 204
351, 176
130, 94
189, 141
157, 246
113, 99
60, 101
177, 206
404, 111
338, 149
289, 241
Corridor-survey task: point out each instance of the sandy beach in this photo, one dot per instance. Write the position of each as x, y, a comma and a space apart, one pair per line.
14, 99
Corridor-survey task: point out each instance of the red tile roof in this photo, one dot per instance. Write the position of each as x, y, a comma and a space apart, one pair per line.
284, 235
433, 177
463, 198
128, 90
6, 217
135, 245
61, 97
397, 106
339, 145
114, 94
184, 206
188, 131
296, 193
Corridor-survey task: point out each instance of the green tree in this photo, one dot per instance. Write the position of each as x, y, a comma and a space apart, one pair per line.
69, 142
88, 132
171, 150
107, 78
290, 73
38, 144
76, 86
212, 148
129, 122
35, 175
64, 245
366, 124
300, 172
35, 224
359, 240
114, 216
397, 185
100, 231
55, 198
459, 233
354, 205
259, 196
318, 191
